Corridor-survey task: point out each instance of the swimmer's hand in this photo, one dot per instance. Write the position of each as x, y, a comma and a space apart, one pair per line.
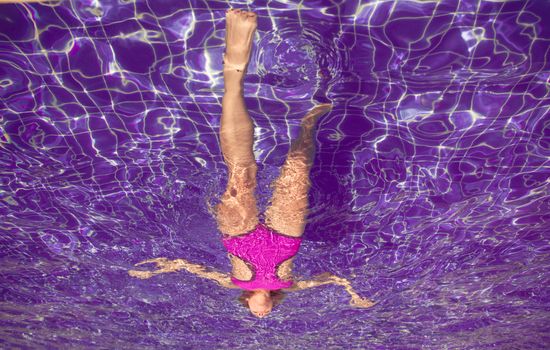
361, 302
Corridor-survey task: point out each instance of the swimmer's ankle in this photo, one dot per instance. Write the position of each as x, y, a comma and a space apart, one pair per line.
228, 66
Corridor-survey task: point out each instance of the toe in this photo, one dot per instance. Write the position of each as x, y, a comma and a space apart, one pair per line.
230, 13
251, 16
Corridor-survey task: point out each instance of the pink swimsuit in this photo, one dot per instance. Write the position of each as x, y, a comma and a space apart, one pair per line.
263, 250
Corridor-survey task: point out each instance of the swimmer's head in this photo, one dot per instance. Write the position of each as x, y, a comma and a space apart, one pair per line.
261, 301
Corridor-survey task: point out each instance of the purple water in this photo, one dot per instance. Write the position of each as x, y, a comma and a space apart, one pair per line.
430, 185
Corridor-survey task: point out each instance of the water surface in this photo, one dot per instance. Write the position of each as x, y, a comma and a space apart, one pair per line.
430, 184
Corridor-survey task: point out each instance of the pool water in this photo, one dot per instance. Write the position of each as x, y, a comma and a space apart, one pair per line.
430, 188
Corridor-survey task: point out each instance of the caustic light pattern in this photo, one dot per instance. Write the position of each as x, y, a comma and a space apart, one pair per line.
429, 190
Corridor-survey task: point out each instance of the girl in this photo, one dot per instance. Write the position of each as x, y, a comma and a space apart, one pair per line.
261, 253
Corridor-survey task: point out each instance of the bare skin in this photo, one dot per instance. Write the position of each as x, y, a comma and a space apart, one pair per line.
260, 303
237, 211
164, 265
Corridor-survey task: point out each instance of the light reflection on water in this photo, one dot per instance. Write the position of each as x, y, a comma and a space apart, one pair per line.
430, 183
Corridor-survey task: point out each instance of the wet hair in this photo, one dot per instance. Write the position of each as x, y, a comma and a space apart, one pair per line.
277, 297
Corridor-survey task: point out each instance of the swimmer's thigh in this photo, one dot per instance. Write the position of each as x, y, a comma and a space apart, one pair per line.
289, 204
237, 212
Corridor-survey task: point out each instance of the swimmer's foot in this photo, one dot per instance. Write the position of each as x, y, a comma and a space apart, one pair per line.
239, 35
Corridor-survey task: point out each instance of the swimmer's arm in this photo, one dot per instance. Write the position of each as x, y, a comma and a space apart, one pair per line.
328, 278
221, 278
164, 265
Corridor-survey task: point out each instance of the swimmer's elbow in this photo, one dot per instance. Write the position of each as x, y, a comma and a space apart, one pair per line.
299, 285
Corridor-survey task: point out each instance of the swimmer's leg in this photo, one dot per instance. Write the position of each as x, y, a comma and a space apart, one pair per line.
237, 211
289, 206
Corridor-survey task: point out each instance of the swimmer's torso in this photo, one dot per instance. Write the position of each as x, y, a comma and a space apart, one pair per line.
262, 258
240, 270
